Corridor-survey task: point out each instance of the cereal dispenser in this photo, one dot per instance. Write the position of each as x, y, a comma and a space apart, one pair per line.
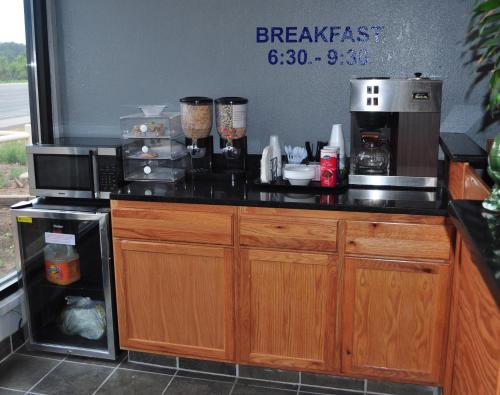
196, 119
231, 122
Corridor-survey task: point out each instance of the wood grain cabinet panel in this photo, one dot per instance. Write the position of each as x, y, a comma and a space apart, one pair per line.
476, 367
394, 319
311, 234
287, 309
456, 180
465, 183
172, 222
176, 299
474, 187
412, 241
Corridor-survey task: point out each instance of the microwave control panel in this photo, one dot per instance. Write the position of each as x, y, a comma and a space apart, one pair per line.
110, 172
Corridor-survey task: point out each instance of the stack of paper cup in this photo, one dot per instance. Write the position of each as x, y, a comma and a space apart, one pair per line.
337, 140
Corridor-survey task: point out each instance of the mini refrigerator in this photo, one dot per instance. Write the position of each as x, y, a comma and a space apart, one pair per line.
73, 313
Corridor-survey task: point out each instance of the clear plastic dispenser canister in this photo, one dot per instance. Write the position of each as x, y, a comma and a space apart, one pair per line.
196, 116
231, 118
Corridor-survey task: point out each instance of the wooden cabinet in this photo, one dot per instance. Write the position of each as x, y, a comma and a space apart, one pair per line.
476, 365
173, 222
175, 298
287, 309
288, 232
389, 239
336, 292
394, 319
464, 183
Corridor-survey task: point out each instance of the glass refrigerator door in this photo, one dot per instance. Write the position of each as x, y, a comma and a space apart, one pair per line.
66, 293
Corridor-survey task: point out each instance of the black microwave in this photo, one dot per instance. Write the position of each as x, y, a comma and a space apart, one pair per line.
89, 168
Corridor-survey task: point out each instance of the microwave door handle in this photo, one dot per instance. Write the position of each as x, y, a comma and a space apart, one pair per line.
94, 176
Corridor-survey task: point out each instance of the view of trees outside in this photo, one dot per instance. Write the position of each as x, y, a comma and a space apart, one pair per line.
13, 62
14, 123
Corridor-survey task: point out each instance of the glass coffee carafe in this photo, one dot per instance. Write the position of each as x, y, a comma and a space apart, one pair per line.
373, 157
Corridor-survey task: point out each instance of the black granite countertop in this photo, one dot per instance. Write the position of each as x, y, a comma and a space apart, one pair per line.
240, 191
481, 232
458, 147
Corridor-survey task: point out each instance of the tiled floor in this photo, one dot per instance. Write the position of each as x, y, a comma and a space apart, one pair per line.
42, 373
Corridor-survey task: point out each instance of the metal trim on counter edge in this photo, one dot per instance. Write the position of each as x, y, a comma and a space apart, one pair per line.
393, 181
107, 262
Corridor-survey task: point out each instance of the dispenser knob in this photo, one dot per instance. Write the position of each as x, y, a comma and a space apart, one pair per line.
145, 149
418, 75
147, 170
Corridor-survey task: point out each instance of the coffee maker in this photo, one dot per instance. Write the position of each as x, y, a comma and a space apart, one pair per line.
395, 131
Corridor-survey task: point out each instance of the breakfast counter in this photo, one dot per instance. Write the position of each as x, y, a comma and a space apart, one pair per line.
240, 191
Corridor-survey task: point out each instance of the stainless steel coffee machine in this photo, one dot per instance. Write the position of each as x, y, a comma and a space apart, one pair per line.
395, 131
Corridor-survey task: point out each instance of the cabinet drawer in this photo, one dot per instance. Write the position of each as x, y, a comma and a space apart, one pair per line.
399, 240
172, 223
288, 232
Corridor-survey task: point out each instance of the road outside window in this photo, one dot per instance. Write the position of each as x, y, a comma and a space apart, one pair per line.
15, 131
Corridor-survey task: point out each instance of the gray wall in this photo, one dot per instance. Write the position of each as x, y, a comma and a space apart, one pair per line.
117, 53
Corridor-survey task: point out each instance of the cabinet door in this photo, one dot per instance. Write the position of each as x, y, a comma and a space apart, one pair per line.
175, 299
287, 309
476, 367
394, 316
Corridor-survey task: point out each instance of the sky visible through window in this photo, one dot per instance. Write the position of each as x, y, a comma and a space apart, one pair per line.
12, 21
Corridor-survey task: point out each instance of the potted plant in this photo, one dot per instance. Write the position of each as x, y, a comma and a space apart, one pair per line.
484, 39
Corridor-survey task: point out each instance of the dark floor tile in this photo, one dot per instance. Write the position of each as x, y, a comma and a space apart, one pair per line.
97, 361
129, 365
305, 390
162, 360
255, 372
184, 385
208, 366
242, 389
324, 380
21, 372
268, 384
4, 391
5, 348
205, 376
26, 350
128, 382
73, 378
19, 338
398, 389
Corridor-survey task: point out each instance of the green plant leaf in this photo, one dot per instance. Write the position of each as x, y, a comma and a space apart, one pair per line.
488, 19
487, 6
490, 53
484, 39
491, 43
486, 31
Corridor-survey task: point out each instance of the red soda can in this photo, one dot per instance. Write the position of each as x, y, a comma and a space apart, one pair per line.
328, 168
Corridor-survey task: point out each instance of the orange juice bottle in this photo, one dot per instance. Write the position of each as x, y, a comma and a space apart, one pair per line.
62, 262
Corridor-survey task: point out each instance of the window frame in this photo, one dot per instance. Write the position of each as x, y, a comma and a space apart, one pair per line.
38, 65
40, 102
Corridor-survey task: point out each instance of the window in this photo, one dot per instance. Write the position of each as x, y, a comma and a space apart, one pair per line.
15, 128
